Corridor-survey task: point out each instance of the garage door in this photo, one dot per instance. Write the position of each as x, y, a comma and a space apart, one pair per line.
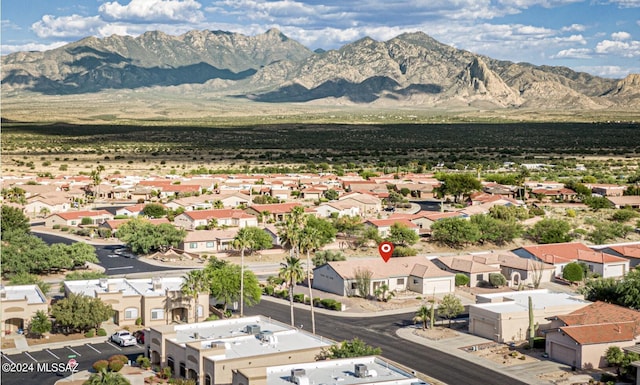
440, 286
614, 270
482, 329
562, 353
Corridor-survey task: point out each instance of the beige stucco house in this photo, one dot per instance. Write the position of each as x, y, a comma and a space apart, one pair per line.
156, 301
417, 274
74, 218
210, 352
208, 241
504, 317
190, 220
18, 304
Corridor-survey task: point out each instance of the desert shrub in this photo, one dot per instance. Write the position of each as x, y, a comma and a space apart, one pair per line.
624, 215
115, 365
268, 290
139, 321
86, 221
282, 294
497, 279
104, 233
536, 211
539, 343
212, 317
330, 304
119, 357
607, 377
90, 333
64, 228
101, 332
143, 362
166, 372
402, 251
462, 279
100, 365
571, 213
298, 297
573, 272
56, 226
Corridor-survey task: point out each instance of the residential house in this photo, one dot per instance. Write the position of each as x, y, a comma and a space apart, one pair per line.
366, 203
558, 194
607, 190
156, 301
630, 252
208, 241
560, 254
583, 336
338, 208
353, 371
133, 210
74, 218
114, 224
276, 212
504, 317
179, 190
476, 267
524, 272
417, 274
191, 203
57, 202
190, 220
384, 225
18, 305
210, 352
632, 201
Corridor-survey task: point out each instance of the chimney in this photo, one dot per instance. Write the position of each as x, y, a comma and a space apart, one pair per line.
157, 283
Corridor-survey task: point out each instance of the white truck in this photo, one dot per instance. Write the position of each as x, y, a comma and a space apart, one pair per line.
123, 338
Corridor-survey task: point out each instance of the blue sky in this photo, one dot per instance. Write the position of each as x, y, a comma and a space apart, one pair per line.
601, 37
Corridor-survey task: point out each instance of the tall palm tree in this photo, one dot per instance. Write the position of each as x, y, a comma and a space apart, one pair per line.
422, 315
291, 229
195, 282
291, 271
310, 241
96, 178
241, 242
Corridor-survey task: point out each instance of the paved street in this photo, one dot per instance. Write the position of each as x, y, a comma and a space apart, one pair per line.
381, 331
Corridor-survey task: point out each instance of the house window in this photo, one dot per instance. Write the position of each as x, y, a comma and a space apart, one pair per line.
210, 245
207, 380
353, 285
131, 313
200, 311
193, 245
183, 370
479, 277
73, 223
400, 281
171, 364
157, 314
415, 281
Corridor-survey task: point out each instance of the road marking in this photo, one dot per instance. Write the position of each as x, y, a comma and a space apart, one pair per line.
30, 356
114, 345
74, 352
6, 357
97, 351
120, 268
50, 352
113, 256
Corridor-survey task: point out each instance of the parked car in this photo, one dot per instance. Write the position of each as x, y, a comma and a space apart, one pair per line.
123, 338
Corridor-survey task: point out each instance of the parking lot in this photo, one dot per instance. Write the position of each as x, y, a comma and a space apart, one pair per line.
29, 367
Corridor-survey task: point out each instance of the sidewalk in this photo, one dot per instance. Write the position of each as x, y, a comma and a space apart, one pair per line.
525, 372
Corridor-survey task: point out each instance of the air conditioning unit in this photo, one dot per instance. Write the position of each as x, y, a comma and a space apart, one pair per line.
265, 335
299, 376
252, 329
361, 371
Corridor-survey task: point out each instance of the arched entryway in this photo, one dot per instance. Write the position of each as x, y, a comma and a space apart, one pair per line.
12, 325
155, 358
179, 314
515, 279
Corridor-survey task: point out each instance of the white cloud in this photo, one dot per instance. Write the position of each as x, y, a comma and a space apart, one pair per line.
620, 48
66, 26
621, 36
573, 53
9, 48
574, 28
615, 72
154, 10
626, 3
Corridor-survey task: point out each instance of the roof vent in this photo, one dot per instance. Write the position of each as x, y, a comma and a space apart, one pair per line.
103, 282
252, 329
361, 371
299, 376
156, 282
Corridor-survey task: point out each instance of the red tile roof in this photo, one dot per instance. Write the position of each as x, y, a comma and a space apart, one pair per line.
601, 322
557, 252
277, 208
391, 222
629, 251
218, 214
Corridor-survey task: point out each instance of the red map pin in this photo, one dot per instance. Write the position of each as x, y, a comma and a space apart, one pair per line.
386, 250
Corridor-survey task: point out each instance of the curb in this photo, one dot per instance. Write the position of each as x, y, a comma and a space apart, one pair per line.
334, 313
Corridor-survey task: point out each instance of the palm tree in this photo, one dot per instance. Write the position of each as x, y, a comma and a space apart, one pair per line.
195, 282
105, 377
241, 242
291, 229
292, 273
422, 315
96, 178
310, 241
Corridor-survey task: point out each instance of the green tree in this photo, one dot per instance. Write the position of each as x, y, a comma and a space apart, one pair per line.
368, 234
348, 349
615, 357
450, 307
80, 253
550, 230
13, 220
497, 279
24, 253
14, 194
363, 281
458, 185
348, 225
154, 210
40, 324
496, 231
323, 256
29, 279
292, 273
195, 282
81, 313
423, 315
597, 203
322, 229
462, 279
142, 236
331, 194
573, 272
224, 284
105, 377
291, 228
400, 234
455, 232
624, 215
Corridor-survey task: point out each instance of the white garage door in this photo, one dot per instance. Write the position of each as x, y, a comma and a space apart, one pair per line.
562, 353
439, 286
614, 270
482, 329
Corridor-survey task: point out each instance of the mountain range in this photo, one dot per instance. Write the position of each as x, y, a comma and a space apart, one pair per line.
411, 69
